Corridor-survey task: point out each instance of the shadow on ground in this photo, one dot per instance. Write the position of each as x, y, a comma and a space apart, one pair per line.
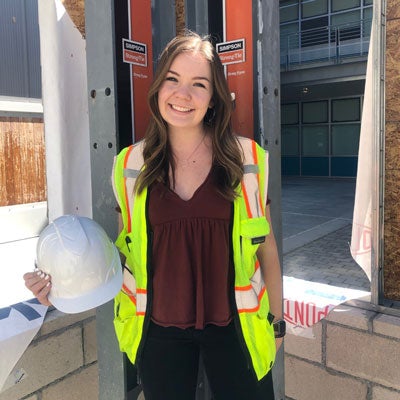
316, 226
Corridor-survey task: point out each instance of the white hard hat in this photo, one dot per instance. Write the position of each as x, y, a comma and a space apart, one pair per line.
83, 262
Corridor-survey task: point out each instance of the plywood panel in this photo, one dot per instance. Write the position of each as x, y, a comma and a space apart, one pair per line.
22, 165
180, 15
76, 11
392, 154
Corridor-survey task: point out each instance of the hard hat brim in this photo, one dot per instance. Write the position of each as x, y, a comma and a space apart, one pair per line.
90, 300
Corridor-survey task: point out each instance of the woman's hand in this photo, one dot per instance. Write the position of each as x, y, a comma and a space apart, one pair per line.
39, 284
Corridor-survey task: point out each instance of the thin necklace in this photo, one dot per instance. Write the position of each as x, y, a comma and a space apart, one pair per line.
185, 162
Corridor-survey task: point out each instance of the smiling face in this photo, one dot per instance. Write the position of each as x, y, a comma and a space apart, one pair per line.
185, 95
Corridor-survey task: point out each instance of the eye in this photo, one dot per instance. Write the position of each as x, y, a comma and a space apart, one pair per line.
199, 84
171, 79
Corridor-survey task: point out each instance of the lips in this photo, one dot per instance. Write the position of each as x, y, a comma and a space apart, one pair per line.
180, 109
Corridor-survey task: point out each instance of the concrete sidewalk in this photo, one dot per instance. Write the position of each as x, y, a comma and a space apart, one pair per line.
316, 225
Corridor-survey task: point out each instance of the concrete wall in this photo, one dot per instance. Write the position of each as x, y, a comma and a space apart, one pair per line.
354, 356
60, 363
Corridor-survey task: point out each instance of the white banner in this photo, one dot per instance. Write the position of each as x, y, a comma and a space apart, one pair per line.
362, 216
20, 318
306, 303
19, 324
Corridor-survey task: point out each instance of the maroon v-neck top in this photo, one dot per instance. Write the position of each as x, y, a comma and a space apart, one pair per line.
190, 256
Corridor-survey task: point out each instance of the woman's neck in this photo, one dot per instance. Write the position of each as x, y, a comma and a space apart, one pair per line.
185, 138
189, 147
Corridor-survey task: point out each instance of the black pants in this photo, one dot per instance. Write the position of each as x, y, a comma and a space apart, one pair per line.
169, 365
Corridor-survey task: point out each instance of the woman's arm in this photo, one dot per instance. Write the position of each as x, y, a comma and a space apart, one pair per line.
268, 257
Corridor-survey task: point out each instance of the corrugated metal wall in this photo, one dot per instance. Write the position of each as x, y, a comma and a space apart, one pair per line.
19, 49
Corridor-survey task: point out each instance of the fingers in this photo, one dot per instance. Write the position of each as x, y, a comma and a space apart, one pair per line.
39, 284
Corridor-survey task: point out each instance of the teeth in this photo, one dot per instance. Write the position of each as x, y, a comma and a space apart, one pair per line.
178, 108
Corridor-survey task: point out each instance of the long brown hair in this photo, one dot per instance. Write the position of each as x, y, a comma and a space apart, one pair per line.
227, 155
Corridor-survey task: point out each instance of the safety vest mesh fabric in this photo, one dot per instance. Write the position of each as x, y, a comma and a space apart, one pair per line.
249, 229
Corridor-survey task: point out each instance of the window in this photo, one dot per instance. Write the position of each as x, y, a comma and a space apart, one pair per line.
288, 10
290, 141
314, 32
315, 140
290, 114
321, 138
346, 110
311, 8
345, 139
367, 21
315, 111
339, 5
289, 36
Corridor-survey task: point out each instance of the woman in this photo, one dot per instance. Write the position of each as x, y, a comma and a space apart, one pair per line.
198, 247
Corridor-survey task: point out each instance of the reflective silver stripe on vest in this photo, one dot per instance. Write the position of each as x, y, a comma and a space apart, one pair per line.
248, 298
250, 180
141, 302
139, 295
131, 173
251, 169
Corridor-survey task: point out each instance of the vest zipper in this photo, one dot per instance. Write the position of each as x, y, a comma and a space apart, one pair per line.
128, 242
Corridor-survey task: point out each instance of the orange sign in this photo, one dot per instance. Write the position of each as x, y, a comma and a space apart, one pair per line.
142, 68
239, 24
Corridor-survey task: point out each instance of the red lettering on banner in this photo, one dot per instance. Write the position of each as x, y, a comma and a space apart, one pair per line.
323, 314
311, 314
299, 312
362, 239
303, 314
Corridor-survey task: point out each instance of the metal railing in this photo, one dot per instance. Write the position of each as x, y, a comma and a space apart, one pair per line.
332, 44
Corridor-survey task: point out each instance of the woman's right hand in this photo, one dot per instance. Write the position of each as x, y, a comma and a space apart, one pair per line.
39, 284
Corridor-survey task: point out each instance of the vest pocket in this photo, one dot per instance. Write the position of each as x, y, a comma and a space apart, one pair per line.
252, 233
254, 230
128, 325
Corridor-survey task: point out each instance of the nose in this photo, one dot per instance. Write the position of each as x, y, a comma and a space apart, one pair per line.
183, 92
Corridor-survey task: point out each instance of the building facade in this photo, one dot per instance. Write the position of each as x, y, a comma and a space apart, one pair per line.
324, 48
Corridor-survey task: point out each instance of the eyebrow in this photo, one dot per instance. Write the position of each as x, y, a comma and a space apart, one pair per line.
203, 78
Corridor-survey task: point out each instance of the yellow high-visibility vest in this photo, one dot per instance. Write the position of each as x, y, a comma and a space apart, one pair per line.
250, 228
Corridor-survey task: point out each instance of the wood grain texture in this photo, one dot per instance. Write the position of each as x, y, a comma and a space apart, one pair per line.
180, 16
76, 11
22, 161
392, 154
